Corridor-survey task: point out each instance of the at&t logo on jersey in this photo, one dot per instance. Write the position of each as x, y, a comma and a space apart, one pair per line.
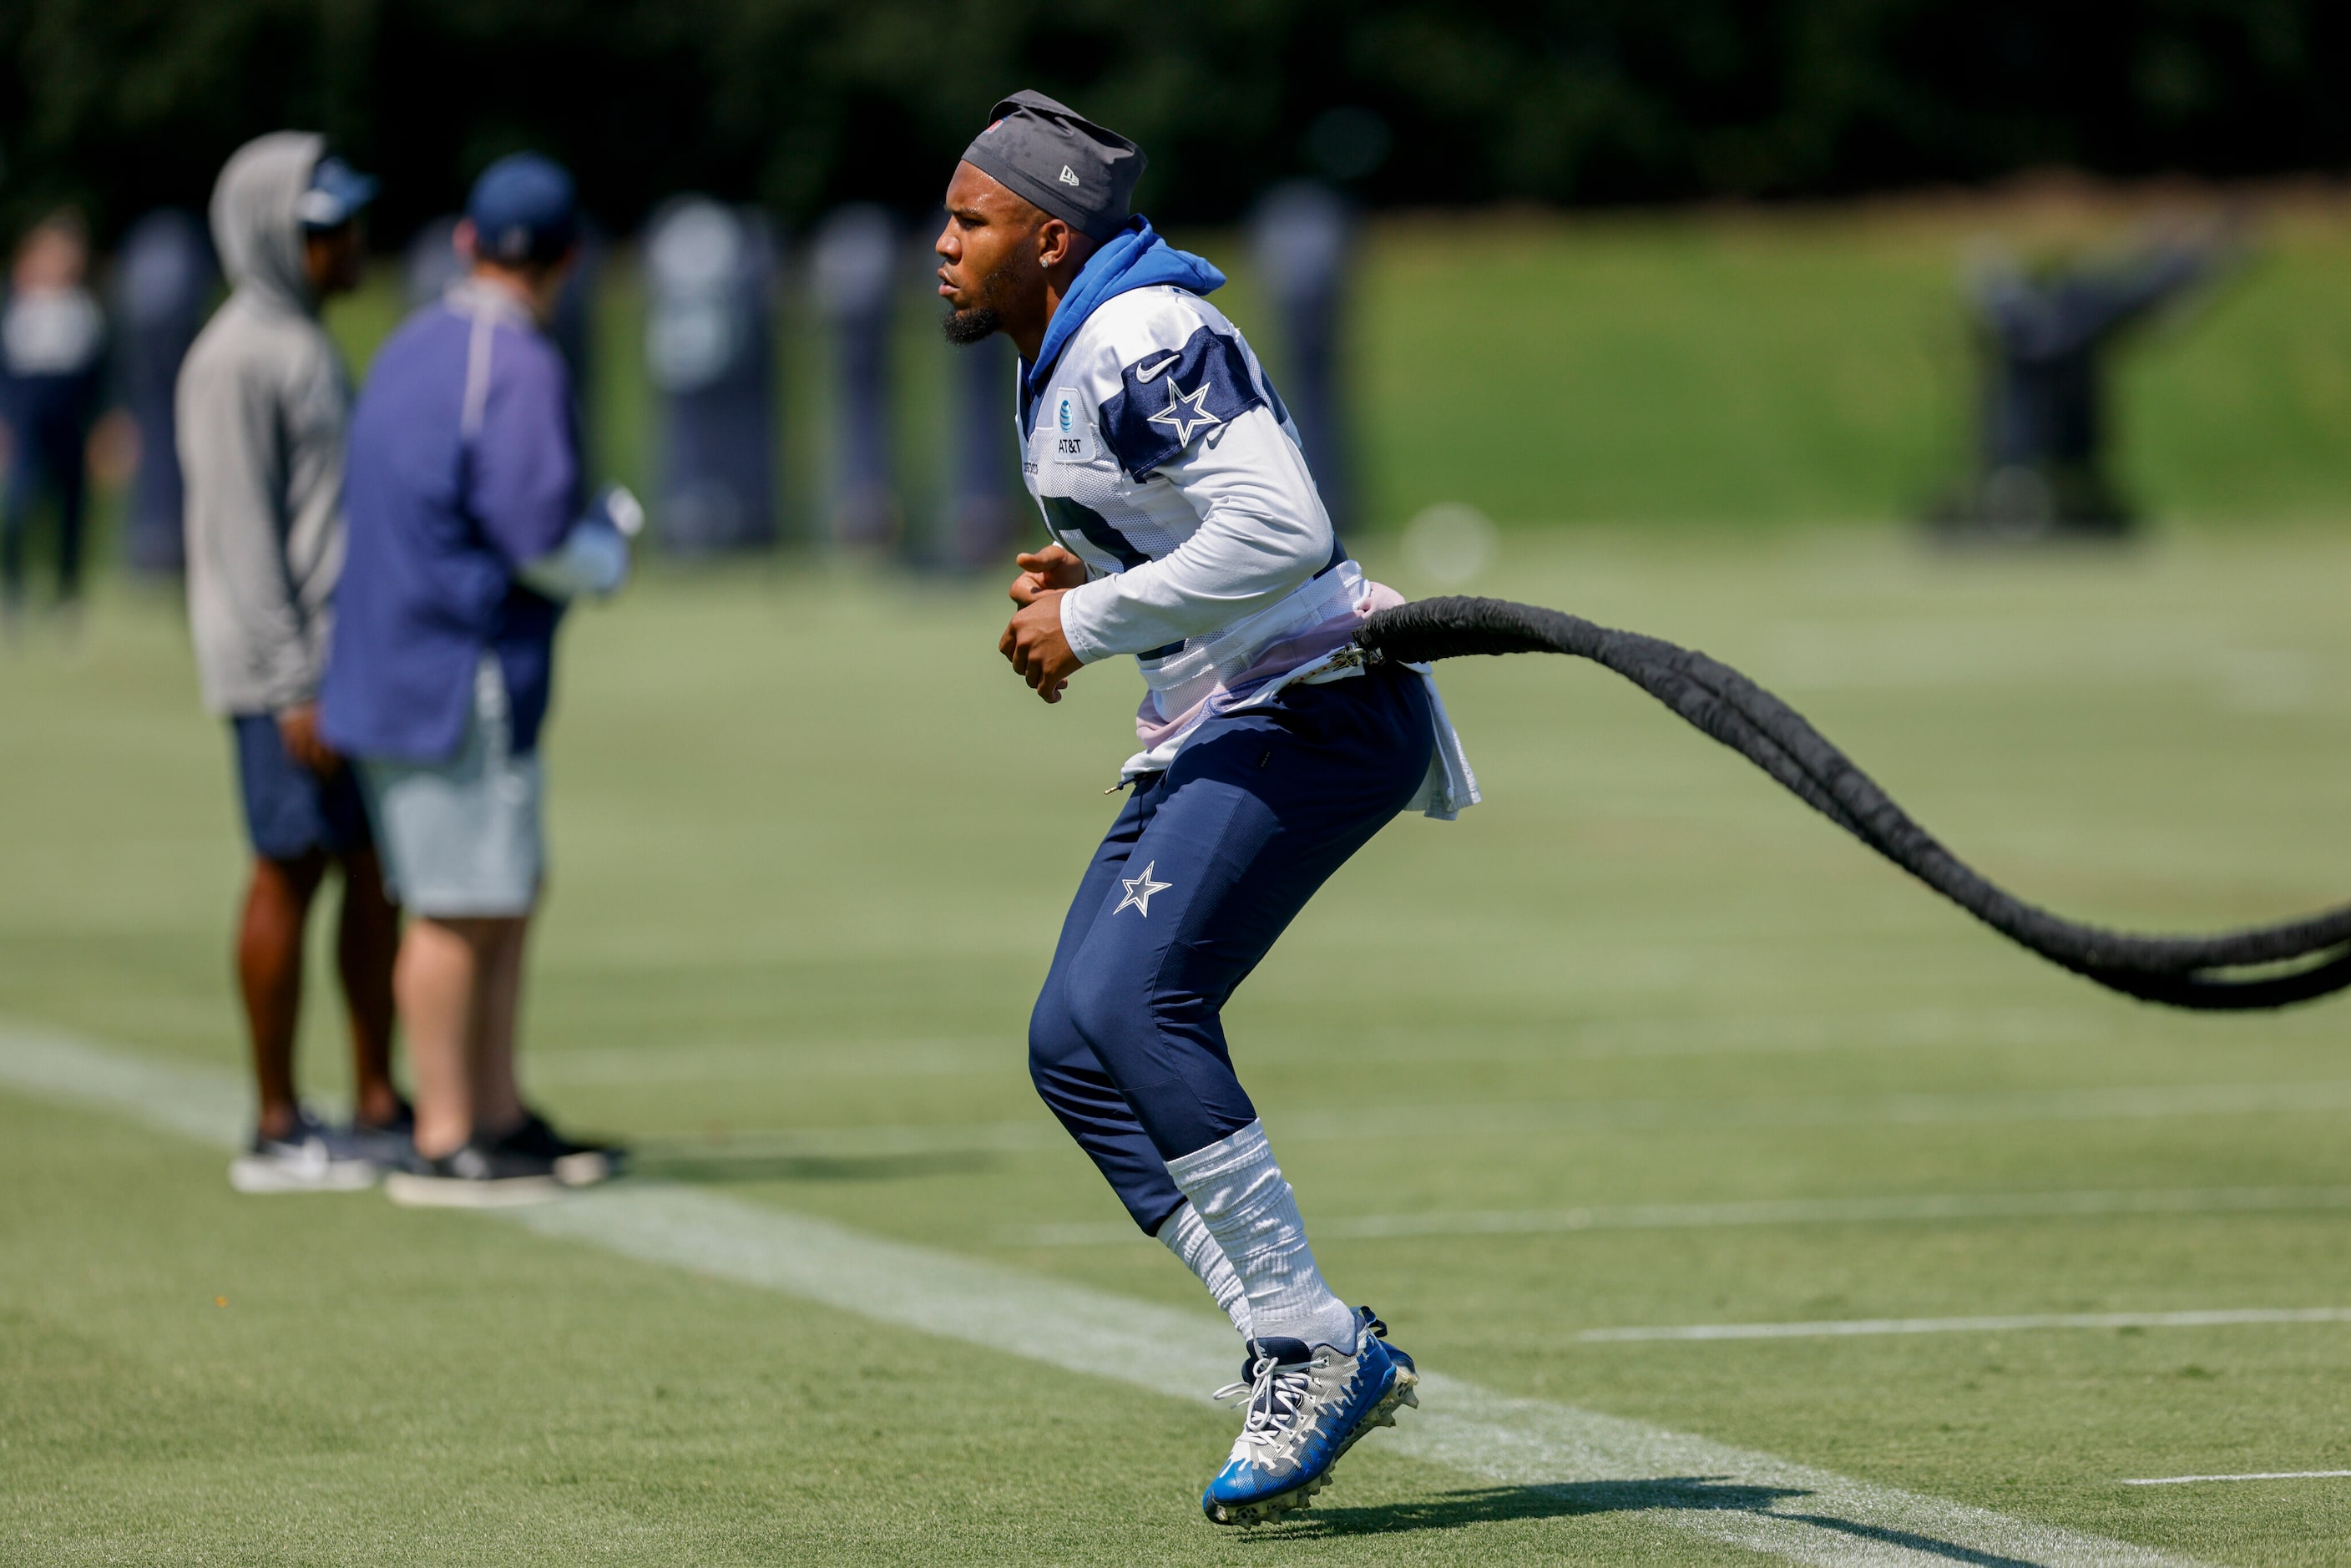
1073, 434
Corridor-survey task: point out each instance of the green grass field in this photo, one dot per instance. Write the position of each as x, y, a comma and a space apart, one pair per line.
1789, 368
811, 842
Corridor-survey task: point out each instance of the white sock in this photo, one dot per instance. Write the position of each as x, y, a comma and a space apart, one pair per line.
1186, 1235
1246, 1206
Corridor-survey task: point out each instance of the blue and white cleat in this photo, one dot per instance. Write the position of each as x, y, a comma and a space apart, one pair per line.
1307, 1405
1369, 1328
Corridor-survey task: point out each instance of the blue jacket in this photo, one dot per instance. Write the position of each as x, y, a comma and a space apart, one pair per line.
1137, 256
463, 467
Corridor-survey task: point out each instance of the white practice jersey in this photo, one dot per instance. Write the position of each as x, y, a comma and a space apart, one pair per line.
1162, 456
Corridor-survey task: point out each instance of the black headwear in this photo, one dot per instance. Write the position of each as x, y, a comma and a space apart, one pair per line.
1052, 155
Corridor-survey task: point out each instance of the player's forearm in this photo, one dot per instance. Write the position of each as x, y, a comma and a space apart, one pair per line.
1263, 532
1233, 567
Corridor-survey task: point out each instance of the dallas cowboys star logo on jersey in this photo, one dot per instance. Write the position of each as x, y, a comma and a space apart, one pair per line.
1176, 417
1172, 393
1139, 890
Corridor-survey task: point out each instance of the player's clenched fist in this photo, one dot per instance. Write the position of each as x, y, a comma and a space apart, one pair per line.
1033, 641
1040, 652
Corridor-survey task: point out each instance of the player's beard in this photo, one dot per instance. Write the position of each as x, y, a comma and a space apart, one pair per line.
977, 325
983, 321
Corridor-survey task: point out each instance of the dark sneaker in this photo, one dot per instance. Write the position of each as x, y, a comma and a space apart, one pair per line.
576, 1163
312, 1158
476, 1176
390, 1145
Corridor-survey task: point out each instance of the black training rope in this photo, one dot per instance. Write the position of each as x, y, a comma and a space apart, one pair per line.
2180, 971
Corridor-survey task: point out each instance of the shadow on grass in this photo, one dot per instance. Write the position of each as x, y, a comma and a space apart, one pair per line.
1483, 1505
717, 1168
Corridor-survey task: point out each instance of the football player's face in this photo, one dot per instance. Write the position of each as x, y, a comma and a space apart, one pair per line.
989, 234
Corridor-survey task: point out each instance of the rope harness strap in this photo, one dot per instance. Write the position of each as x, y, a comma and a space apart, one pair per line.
2304, 958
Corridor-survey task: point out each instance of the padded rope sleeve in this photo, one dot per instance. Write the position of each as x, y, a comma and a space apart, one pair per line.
2313, 953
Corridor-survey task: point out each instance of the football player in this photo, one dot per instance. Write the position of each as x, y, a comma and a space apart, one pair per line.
1188, 533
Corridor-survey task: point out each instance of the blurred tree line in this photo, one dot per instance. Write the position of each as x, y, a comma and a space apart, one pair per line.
121, 105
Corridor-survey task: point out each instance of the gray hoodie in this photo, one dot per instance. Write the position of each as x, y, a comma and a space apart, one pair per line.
263, 402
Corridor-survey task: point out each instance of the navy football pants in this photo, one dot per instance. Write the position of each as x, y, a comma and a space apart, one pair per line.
1207, 864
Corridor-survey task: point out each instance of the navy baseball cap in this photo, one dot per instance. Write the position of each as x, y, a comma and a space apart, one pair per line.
336, 195
523, 208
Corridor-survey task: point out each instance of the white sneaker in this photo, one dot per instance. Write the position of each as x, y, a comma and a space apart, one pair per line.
314, 1158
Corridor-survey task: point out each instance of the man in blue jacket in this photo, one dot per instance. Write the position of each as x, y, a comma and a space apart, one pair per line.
468, 537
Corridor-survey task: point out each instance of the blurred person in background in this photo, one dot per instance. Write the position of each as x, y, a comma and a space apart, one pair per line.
262, 402
468, 537
52, 339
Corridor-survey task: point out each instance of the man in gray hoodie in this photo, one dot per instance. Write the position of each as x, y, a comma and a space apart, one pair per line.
263, 401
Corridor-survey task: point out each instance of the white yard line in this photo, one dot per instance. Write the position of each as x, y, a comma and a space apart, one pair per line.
1767, 1211
2254, 1475
1732, 1495
2005, 1324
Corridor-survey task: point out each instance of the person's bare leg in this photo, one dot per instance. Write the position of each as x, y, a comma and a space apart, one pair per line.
269, 978
497, 1097
436, 979
366, 942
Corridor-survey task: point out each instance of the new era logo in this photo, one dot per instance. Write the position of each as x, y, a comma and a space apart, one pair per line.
1067, 177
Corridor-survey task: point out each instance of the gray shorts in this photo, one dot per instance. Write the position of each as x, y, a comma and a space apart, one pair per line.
462, 838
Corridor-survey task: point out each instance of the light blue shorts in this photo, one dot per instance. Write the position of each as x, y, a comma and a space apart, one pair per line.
462, 838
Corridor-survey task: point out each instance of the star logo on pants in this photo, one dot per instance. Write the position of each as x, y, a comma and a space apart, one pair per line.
1139, 890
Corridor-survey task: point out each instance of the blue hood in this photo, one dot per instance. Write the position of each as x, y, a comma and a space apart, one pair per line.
1136, 257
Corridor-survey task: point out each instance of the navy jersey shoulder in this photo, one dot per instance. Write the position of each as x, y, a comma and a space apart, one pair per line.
1168, 397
